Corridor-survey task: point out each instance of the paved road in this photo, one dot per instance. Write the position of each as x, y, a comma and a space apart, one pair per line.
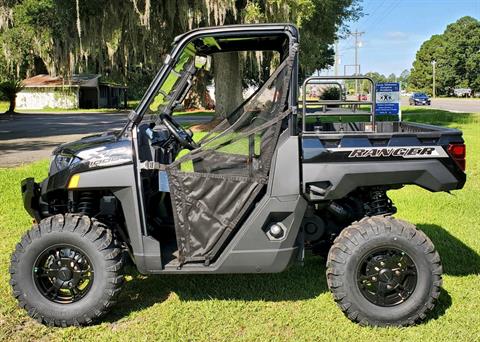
454, 105
30, 137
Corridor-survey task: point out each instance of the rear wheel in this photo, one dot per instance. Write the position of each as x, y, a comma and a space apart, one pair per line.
67, 270
383, 271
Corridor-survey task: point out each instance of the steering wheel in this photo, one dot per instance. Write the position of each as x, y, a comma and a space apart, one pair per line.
178, 132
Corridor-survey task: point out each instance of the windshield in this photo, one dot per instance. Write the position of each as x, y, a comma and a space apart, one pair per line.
182, 71
420, 95
176, 76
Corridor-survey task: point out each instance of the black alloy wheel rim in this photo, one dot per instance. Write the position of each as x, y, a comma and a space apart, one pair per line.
63, 274
387, 276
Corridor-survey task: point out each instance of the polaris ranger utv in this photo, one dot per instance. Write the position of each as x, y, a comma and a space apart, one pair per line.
267, 183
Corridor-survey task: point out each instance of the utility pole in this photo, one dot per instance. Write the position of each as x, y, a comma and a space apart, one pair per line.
434, 92
336, 58
356, 34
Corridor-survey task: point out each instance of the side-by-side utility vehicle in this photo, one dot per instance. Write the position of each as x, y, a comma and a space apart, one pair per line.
283, 174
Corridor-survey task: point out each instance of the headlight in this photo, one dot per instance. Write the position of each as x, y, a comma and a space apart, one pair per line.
63, 161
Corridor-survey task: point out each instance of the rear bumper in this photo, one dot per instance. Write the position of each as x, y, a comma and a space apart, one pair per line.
31, 197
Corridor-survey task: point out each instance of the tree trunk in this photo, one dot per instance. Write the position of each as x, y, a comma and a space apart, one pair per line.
228, 82
13, 102
196, 99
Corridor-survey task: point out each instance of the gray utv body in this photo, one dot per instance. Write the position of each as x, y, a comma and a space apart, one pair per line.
249, 212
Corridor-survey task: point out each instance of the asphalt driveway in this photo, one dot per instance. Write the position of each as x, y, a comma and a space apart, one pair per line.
31, 137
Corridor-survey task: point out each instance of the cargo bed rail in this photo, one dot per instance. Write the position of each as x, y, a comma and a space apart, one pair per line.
342, 106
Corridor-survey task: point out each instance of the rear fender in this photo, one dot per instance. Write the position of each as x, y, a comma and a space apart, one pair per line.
336, 180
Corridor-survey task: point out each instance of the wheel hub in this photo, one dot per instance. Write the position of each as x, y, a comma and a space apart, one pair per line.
63, 274
387, 276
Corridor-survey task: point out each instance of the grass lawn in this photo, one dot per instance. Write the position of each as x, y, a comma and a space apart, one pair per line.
3, 106
294, 305
131, 104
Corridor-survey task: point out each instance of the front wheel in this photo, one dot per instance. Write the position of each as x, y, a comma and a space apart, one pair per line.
66, 270
383, 271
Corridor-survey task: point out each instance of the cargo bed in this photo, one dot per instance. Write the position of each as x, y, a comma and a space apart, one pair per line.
344, 147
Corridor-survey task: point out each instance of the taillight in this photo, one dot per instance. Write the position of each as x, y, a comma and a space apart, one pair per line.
458, 152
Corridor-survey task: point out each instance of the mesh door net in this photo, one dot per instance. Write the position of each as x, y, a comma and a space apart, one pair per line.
213, 186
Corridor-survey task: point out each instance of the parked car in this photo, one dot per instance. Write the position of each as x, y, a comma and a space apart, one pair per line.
362, 97
419, 99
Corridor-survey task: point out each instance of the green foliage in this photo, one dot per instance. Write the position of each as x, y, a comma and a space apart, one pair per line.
38, 14
457, 54
27, 43
404, 79
392, 78
376, 77
330, 93
9, 89
125, 40
316, 40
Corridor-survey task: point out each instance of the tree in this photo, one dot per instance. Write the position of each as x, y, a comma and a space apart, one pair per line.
316, 39
10, 90
331, 93
26, 41
457, 56
392, 78
228, 84
404, 78
421, 74
119, 40
376, 77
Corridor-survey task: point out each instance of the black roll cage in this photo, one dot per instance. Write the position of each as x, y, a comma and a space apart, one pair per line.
180, 42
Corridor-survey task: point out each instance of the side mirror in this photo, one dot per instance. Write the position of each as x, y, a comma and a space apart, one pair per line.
203, 62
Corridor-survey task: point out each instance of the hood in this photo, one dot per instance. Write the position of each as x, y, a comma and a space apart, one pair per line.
85, 143
92, 152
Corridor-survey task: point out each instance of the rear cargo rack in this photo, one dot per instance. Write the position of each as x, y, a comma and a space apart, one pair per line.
341, 107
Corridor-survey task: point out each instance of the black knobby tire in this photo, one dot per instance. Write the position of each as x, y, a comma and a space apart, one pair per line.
345, 266
80, 233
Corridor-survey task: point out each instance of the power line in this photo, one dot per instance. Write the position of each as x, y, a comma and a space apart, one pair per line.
380, 11
356, 35
337, 56
372, 15
386, 13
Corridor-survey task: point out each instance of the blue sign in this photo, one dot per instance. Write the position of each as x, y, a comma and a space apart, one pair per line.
387, 98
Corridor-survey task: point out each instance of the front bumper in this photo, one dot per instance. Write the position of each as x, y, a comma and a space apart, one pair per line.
31, 197
422, 102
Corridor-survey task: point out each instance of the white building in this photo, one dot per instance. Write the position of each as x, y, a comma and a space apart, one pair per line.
81, 91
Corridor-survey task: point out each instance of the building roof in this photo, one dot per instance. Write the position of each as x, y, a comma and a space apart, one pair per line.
82, 80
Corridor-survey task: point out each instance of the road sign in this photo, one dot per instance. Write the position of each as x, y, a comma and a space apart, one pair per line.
387, 98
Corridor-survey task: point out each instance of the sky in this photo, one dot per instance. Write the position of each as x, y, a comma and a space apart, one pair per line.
395, 30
